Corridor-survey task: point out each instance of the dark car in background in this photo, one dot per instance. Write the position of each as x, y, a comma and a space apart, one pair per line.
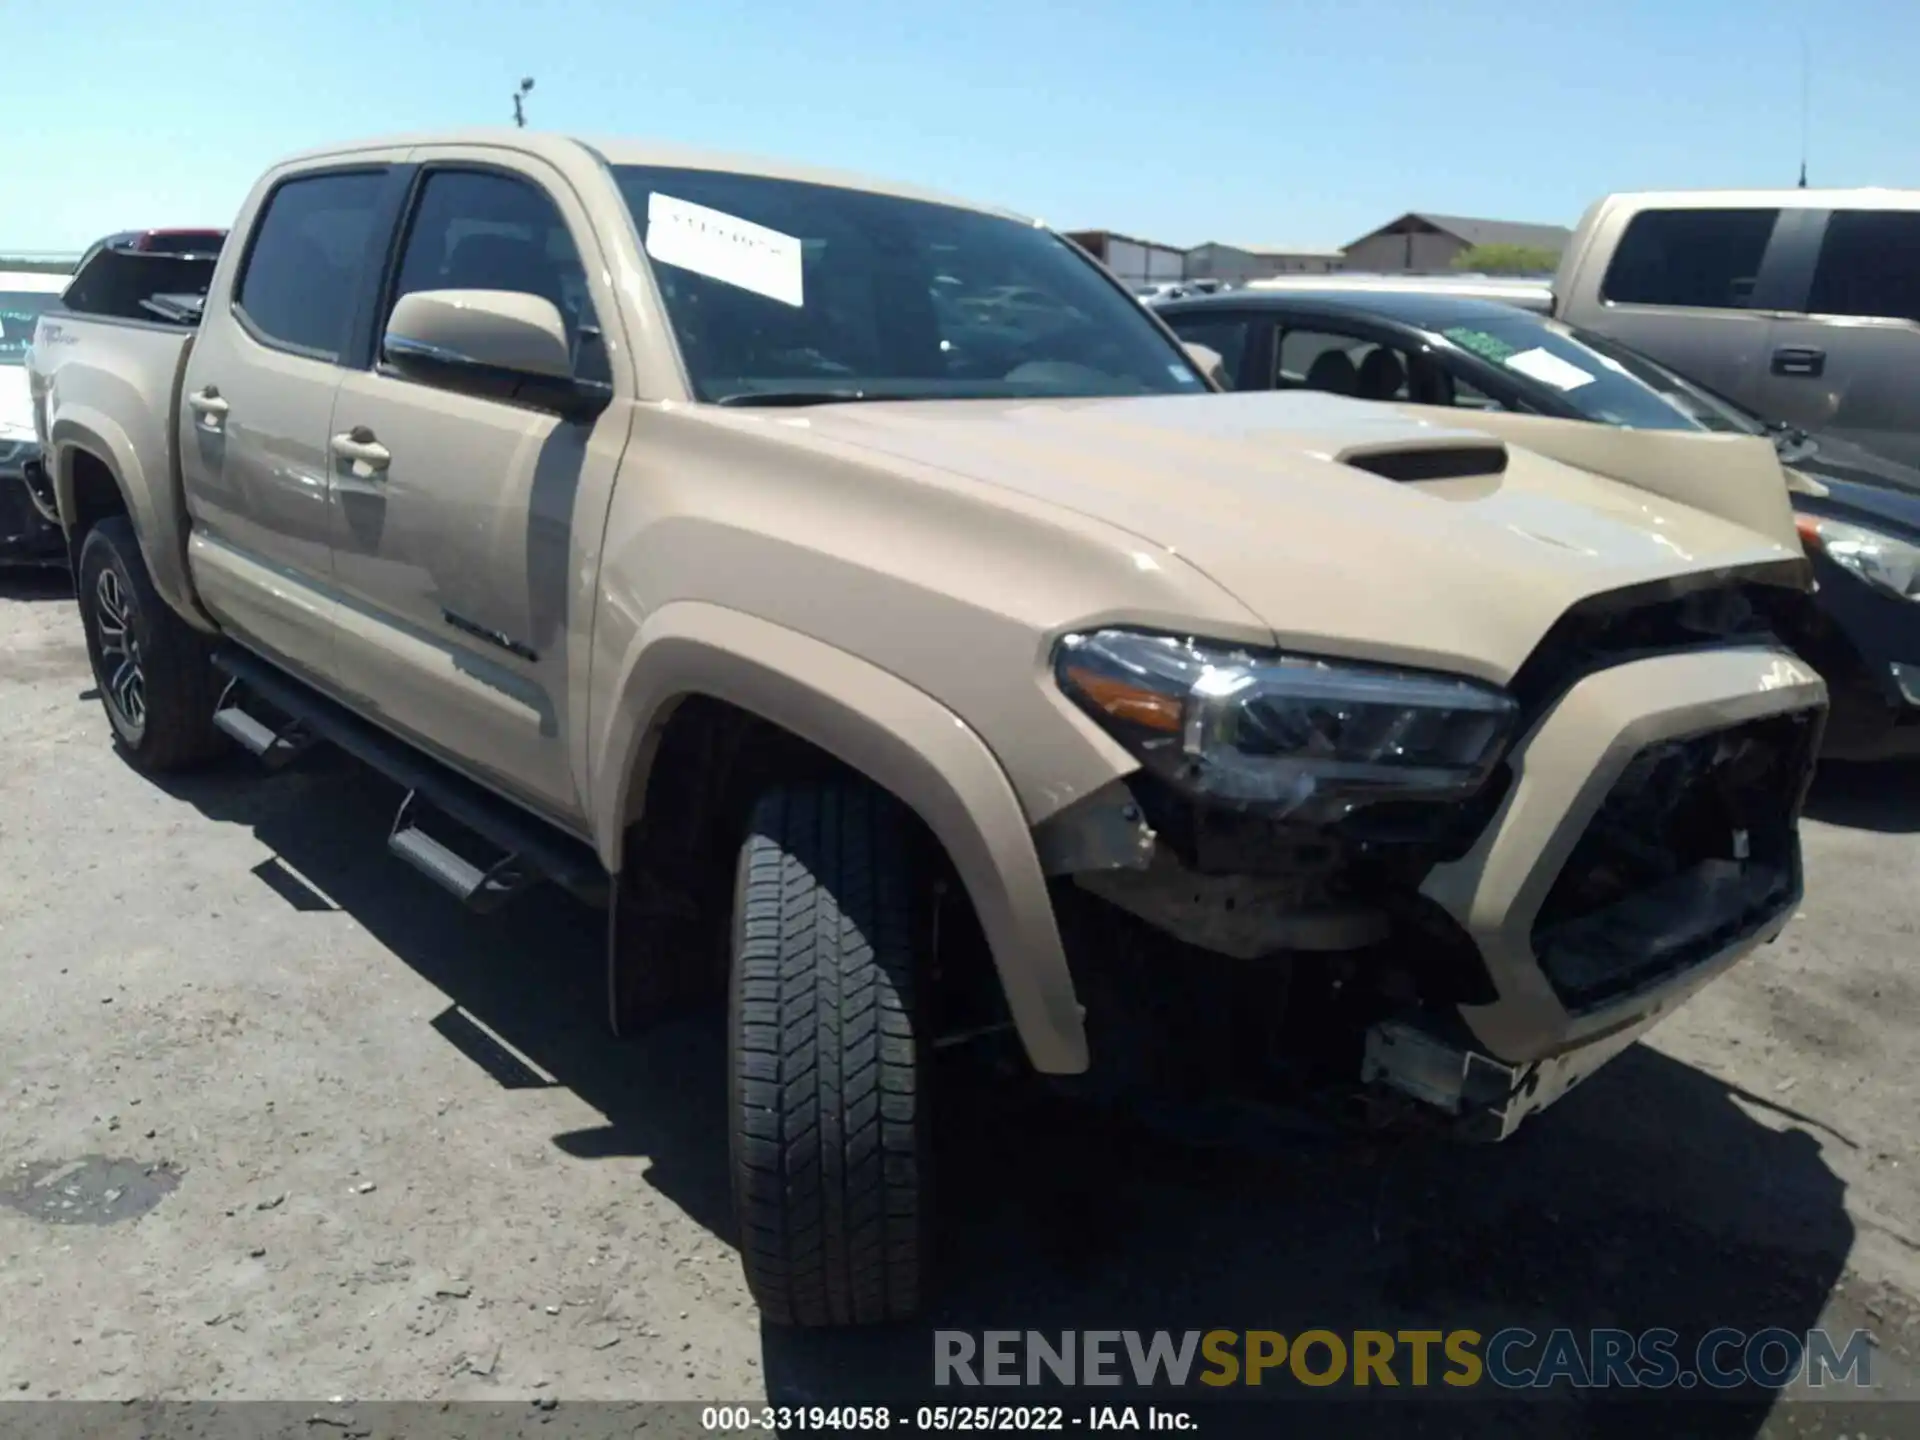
1859, 516
152, 277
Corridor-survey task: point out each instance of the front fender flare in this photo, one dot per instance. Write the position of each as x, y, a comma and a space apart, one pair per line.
897, 736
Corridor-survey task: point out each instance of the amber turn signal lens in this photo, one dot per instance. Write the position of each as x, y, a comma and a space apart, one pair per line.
1127, 703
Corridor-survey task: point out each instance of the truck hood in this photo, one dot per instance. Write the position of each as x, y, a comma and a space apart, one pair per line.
1465, 573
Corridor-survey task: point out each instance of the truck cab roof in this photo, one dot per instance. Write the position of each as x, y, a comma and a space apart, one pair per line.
564, 150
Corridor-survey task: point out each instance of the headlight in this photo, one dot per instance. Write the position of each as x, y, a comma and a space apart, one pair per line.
1282, 733
1879, 559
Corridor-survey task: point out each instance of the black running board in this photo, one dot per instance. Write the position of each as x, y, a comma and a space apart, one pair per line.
530, 848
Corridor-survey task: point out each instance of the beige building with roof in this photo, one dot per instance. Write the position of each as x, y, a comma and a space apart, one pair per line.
1422, 242
1237, 264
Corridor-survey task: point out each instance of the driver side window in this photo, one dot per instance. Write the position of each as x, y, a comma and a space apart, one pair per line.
1225, 335
1341, 364
1433, 383
482, 230
1348, 364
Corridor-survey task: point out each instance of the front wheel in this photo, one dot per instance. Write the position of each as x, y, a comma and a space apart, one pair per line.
828, 1111
154, 671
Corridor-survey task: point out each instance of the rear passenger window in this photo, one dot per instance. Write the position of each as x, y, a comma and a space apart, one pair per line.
481, 230
1315, 360
307, 259
1869, 265
1701, 259
1226, 337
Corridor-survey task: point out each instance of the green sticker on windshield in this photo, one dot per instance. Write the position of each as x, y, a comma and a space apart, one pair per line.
1479, 342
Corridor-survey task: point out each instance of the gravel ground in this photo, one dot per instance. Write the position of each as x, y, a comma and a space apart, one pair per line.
279, 1120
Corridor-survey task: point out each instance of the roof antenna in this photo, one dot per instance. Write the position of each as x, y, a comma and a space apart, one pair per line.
1806, 71
520, 115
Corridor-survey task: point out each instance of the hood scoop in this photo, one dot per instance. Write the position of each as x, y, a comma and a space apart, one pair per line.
1427, 457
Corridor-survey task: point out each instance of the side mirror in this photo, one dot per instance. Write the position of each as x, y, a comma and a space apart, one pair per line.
501, 343
1210, 363
499, 330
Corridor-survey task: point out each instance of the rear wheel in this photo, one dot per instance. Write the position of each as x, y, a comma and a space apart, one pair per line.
828, 1107
154, 671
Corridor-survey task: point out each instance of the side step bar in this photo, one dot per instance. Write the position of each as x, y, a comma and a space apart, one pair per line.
40, 490
531, 849
274, 748
476, 888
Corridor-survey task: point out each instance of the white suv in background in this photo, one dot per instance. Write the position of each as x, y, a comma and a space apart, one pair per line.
25, 533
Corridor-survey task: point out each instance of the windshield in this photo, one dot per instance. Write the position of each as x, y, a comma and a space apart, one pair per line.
18, 310
1713, 412
781, 291
1604, 384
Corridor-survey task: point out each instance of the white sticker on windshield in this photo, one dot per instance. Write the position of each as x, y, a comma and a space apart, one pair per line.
1549, 369
724, 247
1182, 374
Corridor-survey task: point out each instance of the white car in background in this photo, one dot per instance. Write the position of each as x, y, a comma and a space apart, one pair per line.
1533, 293
25, 534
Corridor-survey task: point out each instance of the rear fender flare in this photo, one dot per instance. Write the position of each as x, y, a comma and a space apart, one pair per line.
161, 532
883, 728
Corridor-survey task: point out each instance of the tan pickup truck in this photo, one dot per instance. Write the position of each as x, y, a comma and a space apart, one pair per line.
878, 610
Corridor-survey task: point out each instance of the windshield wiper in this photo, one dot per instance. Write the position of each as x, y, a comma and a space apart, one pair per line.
810, 397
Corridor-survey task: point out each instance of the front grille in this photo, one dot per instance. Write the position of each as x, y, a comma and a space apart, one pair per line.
1693, 850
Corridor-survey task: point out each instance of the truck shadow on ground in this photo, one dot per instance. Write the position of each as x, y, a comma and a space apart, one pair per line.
1883, 797
1654, 1196
1650, 1198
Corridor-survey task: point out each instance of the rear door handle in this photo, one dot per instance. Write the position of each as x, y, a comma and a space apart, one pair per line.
1799, 360
359, 446
208, 405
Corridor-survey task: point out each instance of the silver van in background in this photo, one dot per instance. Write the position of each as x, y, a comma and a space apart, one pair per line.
1804, 305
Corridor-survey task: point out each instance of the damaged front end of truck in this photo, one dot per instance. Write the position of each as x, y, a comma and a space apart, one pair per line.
1332, 883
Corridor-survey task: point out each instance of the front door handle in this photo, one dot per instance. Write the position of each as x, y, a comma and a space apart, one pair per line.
1799, 360
359, 446
208, 405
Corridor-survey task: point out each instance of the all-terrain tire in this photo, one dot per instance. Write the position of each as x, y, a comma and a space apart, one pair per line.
161, 709
828, 1098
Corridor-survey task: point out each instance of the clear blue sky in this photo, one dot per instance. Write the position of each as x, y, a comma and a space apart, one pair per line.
1281, 123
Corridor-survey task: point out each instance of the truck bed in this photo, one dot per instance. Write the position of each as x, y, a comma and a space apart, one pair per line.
114, 385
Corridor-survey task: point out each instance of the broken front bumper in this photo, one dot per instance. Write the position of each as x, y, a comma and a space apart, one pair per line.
1485, 1098
1581, 964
